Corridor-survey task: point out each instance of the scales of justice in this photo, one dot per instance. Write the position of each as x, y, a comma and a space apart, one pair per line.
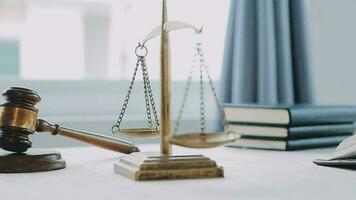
165, 164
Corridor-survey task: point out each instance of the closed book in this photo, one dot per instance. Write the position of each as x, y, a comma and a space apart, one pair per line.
296, 115
288, 144
297, 132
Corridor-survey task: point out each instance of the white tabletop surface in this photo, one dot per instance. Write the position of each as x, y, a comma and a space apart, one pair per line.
249, 174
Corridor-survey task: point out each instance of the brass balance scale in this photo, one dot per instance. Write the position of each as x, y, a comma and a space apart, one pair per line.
165, 165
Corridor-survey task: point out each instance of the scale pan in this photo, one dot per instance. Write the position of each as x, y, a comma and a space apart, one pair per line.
207, 140
139, 132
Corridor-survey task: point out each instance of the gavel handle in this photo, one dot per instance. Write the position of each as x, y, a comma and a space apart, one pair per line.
95, 139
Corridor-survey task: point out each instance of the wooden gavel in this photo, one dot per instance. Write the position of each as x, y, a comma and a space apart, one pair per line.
18, 119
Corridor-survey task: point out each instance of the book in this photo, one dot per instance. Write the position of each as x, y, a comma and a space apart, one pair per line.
343, 157
296, 115
288, 144
298, 132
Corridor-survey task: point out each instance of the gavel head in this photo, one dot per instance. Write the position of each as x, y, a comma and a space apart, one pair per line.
18, 118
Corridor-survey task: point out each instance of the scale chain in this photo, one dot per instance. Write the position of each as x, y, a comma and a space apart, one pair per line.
147, 100
149, 96
126, 101
202, 102
216, 98
185, 95
199, 53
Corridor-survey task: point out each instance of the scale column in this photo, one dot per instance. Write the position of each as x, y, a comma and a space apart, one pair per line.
165, 86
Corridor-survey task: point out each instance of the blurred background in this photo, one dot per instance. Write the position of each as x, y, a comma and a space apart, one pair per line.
79, 56
95, 39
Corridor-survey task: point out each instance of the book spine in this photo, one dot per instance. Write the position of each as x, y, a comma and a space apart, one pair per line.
337, 115
314, 142
291, 139
227, 122
320, 131
292, 133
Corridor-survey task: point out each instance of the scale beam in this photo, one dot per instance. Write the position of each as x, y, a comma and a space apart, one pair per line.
168, 27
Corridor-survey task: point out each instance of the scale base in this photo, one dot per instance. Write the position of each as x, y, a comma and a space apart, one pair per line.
154, 166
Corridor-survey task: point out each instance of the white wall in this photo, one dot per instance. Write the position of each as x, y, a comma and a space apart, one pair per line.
333, 40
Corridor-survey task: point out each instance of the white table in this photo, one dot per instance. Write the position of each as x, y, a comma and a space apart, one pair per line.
249, 174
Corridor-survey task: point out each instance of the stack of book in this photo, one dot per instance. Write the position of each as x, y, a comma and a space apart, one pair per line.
289, 127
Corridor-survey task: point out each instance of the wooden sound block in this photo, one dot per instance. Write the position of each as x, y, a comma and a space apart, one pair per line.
31, 161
